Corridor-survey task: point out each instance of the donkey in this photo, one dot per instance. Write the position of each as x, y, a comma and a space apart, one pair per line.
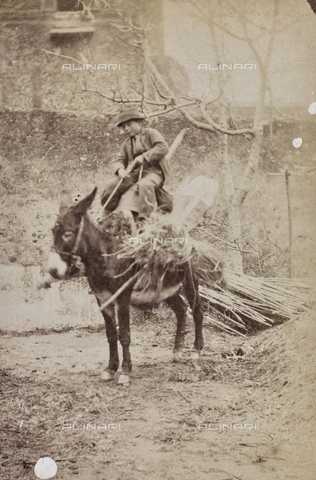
76, 237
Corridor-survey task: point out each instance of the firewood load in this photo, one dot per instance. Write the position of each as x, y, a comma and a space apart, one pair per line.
233, 302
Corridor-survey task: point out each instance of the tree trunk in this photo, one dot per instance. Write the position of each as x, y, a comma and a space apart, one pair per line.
253, 161
234, 259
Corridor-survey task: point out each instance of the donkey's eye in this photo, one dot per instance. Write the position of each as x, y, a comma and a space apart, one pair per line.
67, 235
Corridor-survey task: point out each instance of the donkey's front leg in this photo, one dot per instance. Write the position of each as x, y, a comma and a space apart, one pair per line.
111, 333
123, 313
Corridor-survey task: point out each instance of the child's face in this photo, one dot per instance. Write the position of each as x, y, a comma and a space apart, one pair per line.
132, 127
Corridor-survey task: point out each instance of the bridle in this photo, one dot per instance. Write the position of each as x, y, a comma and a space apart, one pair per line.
78, 239
75, 260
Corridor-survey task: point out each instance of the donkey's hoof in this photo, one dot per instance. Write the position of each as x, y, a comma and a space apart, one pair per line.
194, 356
177, 356
107, 376
123, 379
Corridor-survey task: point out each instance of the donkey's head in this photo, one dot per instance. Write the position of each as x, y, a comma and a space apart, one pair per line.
67, 234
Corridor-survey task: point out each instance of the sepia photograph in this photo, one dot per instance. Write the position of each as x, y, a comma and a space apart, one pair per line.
157, 239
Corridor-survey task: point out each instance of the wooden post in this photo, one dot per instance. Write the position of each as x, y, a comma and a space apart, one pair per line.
287, 175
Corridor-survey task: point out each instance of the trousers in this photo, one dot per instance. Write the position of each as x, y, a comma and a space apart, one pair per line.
146, 191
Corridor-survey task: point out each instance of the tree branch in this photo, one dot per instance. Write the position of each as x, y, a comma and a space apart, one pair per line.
60, 55
211, 125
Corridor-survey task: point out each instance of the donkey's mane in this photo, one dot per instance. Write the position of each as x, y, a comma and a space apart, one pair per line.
112, 227
112, 231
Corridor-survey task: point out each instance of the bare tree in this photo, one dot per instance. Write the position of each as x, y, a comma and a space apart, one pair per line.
237, 20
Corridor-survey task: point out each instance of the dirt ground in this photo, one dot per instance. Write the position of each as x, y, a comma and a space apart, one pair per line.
245, 411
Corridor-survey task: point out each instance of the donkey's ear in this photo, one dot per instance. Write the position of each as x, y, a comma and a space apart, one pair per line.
82, 207
66, 202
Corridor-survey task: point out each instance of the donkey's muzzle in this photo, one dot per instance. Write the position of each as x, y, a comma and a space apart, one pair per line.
45, 281
56, 266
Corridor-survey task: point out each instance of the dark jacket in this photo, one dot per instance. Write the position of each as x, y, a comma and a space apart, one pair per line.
151, 144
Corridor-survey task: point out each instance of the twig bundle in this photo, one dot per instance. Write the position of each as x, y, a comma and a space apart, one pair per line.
234, 302
250, 301
157, 247
274, 296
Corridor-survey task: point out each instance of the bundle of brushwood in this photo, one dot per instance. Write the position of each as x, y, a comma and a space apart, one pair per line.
252, 302
157, 247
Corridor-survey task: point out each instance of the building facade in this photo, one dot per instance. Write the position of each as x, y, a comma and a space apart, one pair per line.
54, 53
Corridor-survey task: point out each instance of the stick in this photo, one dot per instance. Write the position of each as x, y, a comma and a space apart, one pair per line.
185, 398
120, 290
111, 196
129, 170
176, 143
141, 172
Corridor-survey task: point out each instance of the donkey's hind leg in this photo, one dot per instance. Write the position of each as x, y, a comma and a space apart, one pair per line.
191, 289
179, 307
123, 311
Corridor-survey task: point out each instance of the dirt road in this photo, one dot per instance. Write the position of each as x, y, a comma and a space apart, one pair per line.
244, 412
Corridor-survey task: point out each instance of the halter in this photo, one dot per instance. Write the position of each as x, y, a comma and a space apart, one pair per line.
78, 239
75, 259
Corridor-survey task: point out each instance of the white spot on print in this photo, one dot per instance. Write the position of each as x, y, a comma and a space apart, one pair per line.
312, 108
297, 142
45, 468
